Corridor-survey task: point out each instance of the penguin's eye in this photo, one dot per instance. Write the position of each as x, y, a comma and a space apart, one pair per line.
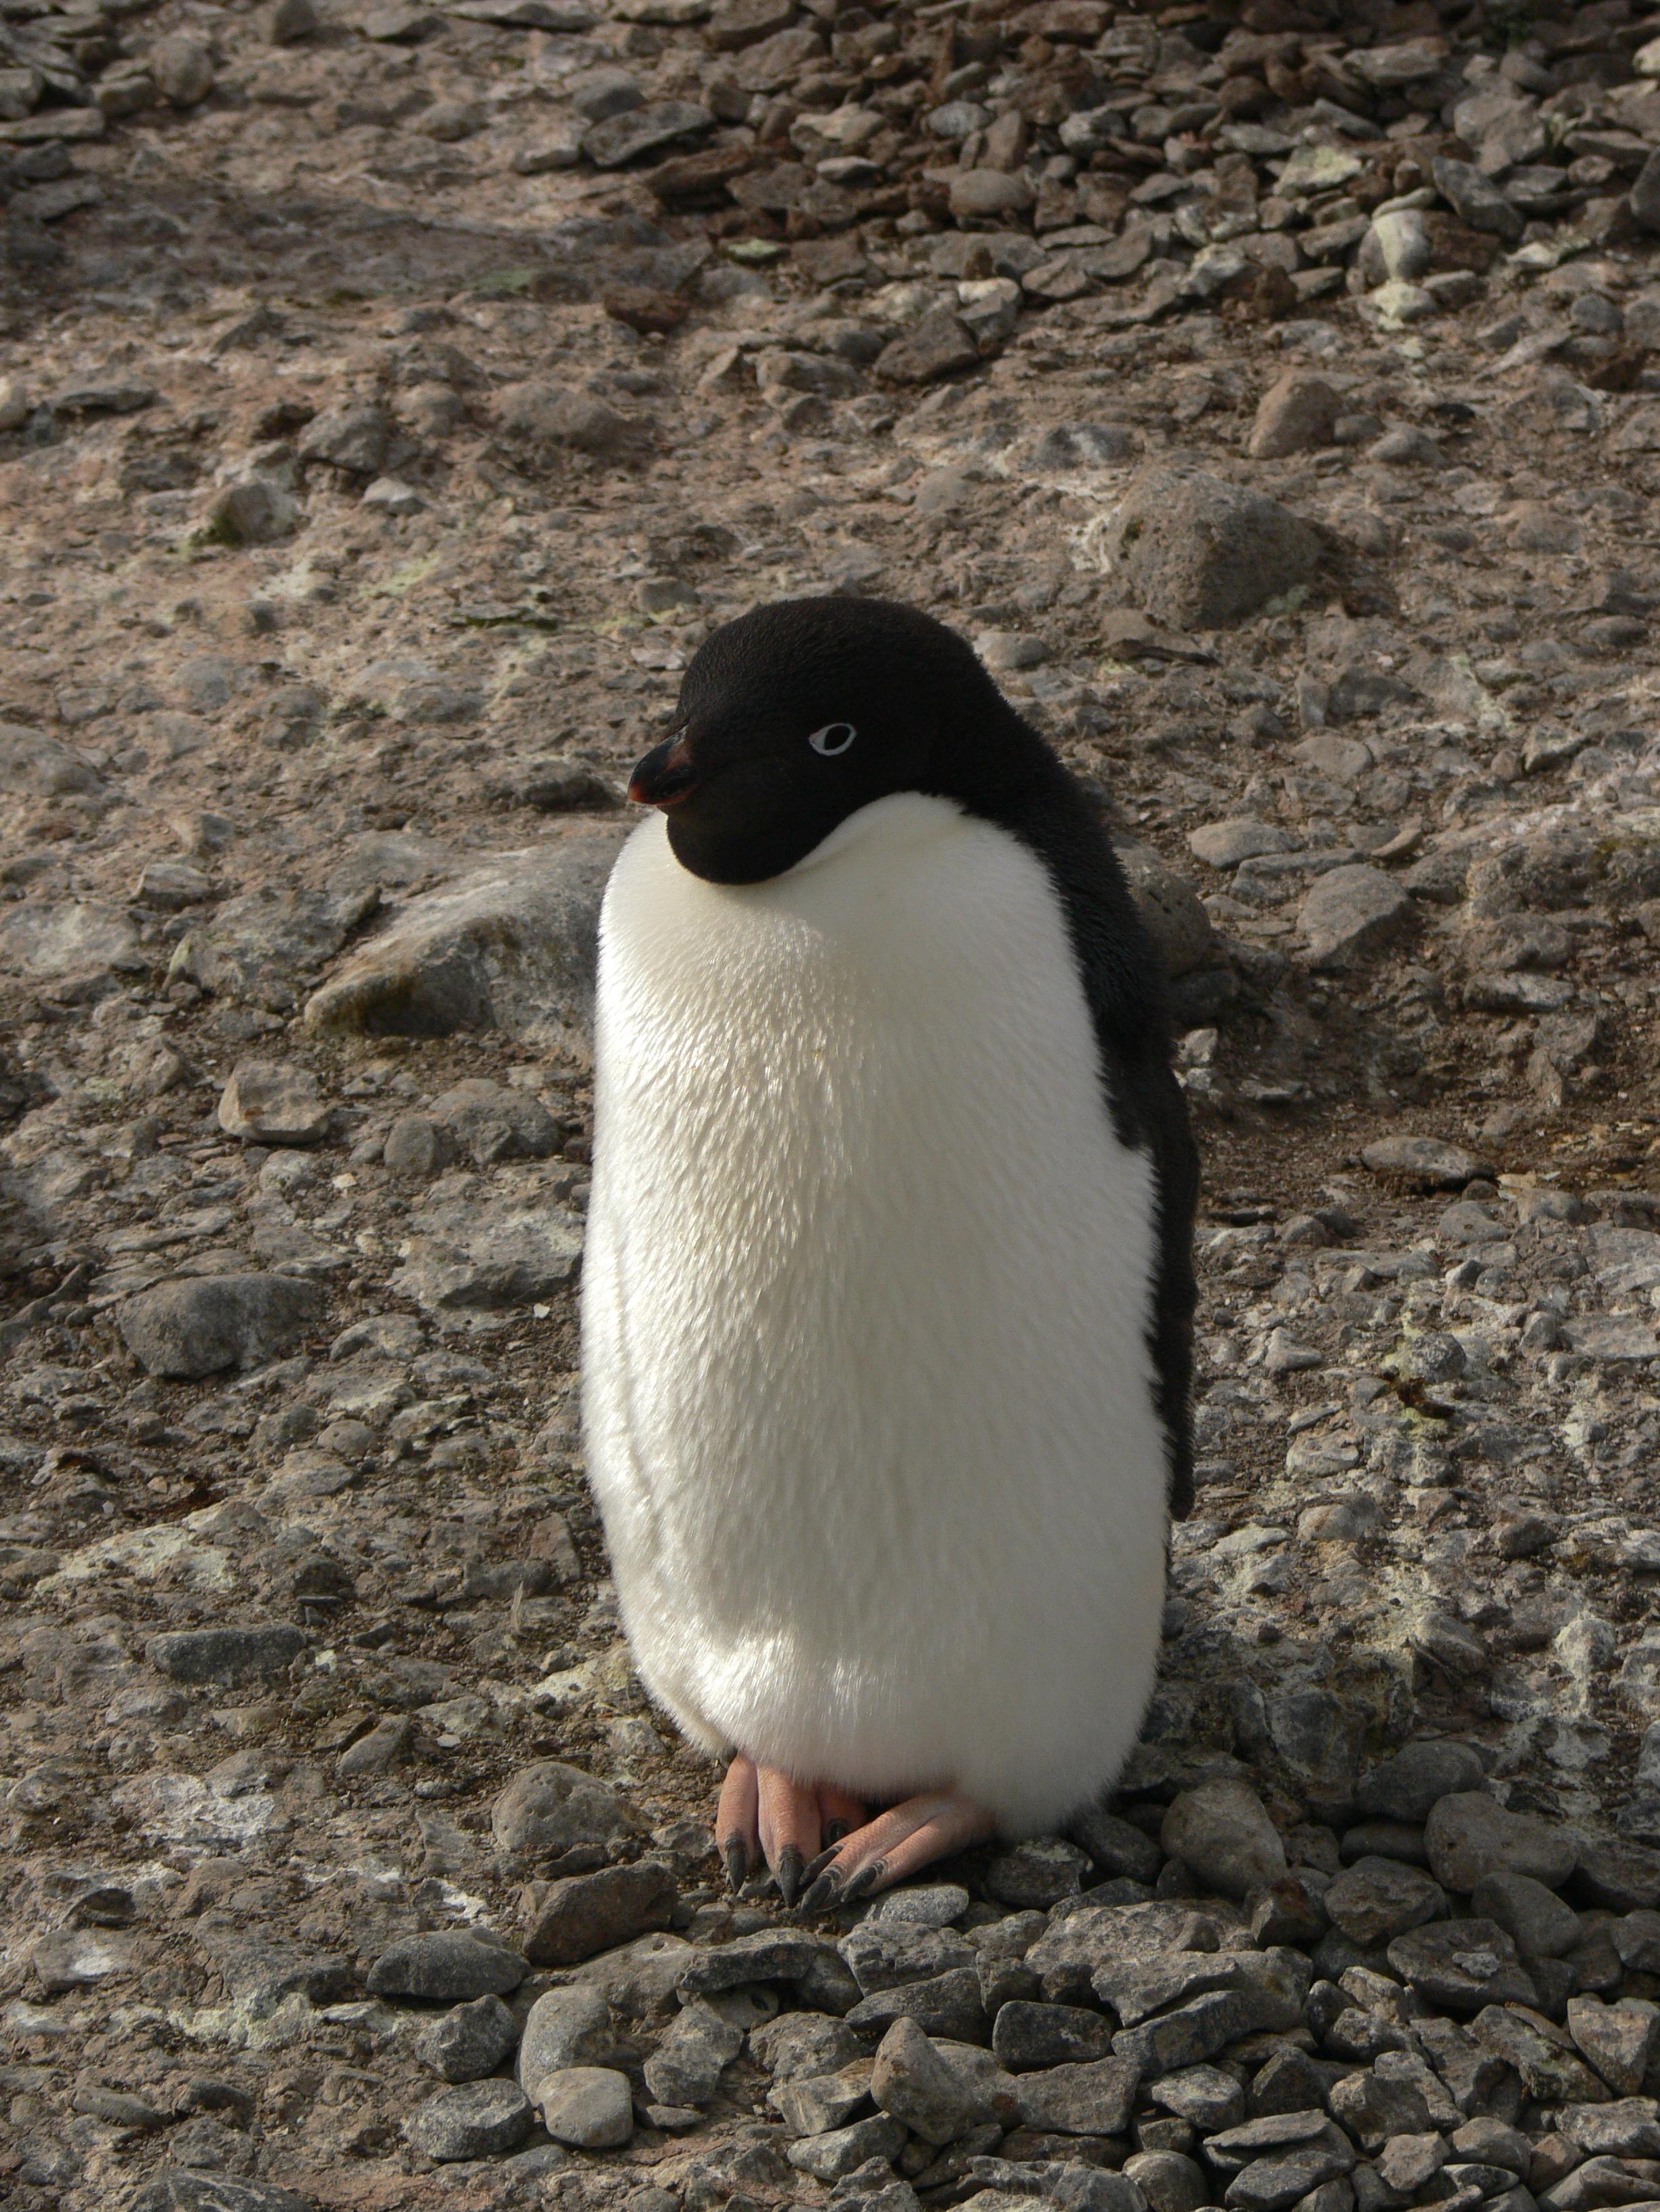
835, 737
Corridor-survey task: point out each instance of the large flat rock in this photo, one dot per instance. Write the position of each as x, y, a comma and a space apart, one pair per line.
512, 946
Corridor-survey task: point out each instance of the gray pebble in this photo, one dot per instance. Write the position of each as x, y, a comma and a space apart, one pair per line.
478, 2119
469, 2041
1025, 2036
445, 1967
589, 2107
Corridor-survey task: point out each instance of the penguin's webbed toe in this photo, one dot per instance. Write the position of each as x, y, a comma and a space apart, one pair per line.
898, 1843
765, 1813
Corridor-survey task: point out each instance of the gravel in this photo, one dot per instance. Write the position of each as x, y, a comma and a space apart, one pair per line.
1274, 404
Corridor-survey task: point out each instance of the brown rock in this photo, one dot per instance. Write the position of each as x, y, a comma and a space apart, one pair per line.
938, 346
587, 1913
980, 195
1296, 414
645, 310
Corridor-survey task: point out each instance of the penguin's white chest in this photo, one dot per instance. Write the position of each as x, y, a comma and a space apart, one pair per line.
868, 1395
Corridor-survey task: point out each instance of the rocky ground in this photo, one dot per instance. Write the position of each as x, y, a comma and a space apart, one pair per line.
392, 399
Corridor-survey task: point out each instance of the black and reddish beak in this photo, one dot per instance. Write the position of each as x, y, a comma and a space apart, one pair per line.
665, 777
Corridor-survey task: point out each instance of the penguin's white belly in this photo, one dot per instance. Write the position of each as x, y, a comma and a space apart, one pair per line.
868, 1396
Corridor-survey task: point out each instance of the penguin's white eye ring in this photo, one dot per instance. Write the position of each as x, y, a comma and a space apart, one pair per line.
835, 737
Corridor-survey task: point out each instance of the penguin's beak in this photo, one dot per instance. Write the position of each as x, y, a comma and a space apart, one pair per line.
665, 776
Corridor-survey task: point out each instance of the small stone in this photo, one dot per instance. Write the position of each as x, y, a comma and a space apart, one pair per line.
946, 2005
227, 1658
1396, 249
1169, 2181
913, 2084
255, 511
201, 1325
1115, 1847
548, 414
939, 344
1090, 2100
590, 1912
821, 2103
1295, 416
1629, 2128
1350, 911
1636, 1940
770, 1954
1462, 1965
803, 2044
469, 2041
686, 2067
1644, 198
287, 22
1026, 2036
183, 69
1373, 2107
549, 1808
983, 195
828, 2157
563, 2029
444, 1967
1278, 2180
417, 1145
652, 129
1539, 1923
1222, 1833
1226, 844
75, 1958
1377, 1898
479, 2119
117, 2109
1232, 2149
1476, 199
1541, 2054
1187, 2034
1494, 2144
1407, 2162
352, 438
1623, 1876
1206, 2096
598, 93
1199, 553
1037, 1875
589, 2107
1618, 2039
924, 1904
267, 1102
1170, 910
1434, 1165
1468, 1834
563, 787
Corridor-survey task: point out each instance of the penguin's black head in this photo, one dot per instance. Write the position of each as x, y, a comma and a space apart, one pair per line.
797, 714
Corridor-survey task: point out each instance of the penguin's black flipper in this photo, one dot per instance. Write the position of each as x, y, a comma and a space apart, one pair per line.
1124, 984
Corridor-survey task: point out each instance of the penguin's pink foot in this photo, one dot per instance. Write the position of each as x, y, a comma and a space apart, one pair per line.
765, 1813
897, 1843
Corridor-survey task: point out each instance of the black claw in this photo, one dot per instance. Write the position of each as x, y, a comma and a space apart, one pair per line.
814, 1867
836, 1830
823, 1894
864, 1881
737, 1857
788, 1872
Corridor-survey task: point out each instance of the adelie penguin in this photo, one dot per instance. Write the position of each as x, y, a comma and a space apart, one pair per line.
888, 1292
